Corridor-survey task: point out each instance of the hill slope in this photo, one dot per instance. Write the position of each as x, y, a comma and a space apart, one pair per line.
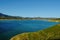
52, 33
4, 16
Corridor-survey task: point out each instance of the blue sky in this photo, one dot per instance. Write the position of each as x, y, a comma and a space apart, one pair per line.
31, 8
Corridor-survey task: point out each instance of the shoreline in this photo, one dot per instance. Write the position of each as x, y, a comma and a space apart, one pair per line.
54, 20
50, 20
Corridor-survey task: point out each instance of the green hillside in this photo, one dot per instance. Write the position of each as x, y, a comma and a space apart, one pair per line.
52, 33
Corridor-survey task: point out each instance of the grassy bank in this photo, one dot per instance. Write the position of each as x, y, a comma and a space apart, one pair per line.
52, 33
54, 20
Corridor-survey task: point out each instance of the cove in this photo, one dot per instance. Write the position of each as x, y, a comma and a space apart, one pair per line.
9, 28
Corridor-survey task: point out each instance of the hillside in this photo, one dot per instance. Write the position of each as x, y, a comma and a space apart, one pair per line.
4, 16
52, 33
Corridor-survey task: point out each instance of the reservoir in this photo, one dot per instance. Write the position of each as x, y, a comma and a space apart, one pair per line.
10, 28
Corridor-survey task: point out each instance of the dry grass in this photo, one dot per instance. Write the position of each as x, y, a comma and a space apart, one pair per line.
52, 33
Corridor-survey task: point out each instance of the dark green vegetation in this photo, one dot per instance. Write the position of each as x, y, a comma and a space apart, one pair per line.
52, 33
3, 16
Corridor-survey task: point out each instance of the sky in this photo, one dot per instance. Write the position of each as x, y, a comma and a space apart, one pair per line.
31, 8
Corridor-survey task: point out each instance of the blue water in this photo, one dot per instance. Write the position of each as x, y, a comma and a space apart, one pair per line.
9, 28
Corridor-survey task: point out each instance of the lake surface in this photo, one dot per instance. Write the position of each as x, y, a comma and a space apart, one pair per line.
9, 28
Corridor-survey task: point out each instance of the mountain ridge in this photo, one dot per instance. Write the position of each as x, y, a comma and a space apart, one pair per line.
4, 16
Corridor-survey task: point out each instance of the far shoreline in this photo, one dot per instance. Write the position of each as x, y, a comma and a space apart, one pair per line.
50, 20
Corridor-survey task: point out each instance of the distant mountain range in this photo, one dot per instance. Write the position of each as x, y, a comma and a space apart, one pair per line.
4, 16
